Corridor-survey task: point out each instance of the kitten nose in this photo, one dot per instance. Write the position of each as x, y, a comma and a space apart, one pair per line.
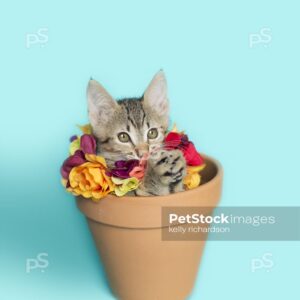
141, 149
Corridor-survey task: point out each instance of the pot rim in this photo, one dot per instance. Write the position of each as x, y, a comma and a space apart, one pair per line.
155, 199
145, 212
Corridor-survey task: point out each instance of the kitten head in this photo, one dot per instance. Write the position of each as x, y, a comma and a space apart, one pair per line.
129, 128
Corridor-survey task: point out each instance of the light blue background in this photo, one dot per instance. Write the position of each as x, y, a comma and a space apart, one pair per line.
238, 103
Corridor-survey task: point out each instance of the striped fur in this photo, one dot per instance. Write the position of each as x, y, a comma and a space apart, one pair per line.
135, 117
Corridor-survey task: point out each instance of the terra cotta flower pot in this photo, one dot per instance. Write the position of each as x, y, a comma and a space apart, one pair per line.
128, 236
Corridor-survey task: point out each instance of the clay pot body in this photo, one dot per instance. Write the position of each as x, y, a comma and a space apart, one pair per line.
128, 235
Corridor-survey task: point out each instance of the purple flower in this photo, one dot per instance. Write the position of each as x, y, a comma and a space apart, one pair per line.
73, 161
123, 168
88, 144
73, 138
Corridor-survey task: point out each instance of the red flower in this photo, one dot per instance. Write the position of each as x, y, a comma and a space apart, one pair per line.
175, 140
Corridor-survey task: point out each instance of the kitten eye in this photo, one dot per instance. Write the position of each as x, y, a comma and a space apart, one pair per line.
123, 137
152, 133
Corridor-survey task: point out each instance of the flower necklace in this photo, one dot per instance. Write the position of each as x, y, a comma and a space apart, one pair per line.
85, 173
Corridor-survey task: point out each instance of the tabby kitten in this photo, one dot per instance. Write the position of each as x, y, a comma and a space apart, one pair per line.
131, 128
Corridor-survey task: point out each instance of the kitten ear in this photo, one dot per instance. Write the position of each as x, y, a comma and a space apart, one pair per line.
101, 105
156, 95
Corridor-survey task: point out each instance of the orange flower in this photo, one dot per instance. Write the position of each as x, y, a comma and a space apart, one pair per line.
193, 178
90, 180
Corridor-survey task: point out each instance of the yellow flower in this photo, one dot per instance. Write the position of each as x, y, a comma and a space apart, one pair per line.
96, 159
90, 180
75, 145
175, 129
123, 186
193, 178
86, 129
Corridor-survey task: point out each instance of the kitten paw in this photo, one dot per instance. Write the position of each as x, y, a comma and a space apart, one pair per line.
169, 168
